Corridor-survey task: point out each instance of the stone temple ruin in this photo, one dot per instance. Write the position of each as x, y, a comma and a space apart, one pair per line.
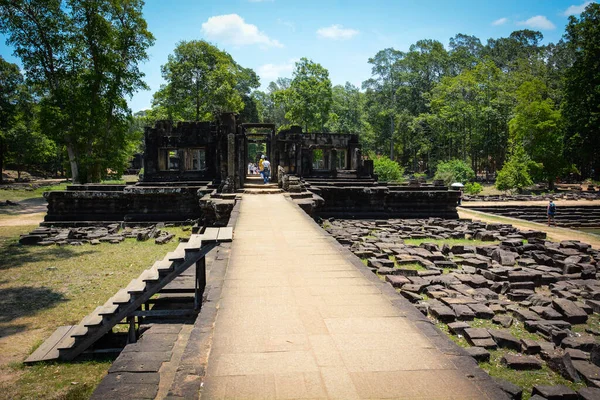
195, 170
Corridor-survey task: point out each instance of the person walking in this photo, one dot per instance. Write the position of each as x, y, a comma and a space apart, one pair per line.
266, 170
260, 166
551, 211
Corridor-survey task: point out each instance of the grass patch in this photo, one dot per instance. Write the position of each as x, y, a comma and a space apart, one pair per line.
28, 192
449, 242
42, 288
523, 379
593, 322
412, 266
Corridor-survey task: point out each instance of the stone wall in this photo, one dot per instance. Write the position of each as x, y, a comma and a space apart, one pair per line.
130, 203
381, 202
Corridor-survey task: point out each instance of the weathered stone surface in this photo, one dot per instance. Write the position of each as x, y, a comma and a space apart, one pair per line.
397, 281
482, 311
504, 257
443, 313
478, 353
463, 312
458, 328
520, 362
585, 343
513, 391
503, 320
589, 393
589, 372
530, 346
554, 392
561, 363
505, 339
570, 311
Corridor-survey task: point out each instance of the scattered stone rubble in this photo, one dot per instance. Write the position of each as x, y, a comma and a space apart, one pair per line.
112, 233
520, 278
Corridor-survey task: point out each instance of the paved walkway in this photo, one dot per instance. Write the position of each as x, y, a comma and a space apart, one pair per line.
298, 319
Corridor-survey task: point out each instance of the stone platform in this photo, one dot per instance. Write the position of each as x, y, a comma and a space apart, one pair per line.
299, 316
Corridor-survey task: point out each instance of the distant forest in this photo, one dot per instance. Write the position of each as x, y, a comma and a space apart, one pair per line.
511, 102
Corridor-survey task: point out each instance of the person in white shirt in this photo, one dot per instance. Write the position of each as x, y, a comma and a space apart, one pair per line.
266, 170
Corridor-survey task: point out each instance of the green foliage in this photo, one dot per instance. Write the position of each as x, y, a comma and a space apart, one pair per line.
203, 81
473, 188
582, 90
454, 171
514, 175
538, 126
309, 96
387, 170
81, 58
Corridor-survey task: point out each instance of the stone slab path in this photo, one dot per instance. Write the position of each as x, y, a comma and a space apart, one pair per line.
301, 317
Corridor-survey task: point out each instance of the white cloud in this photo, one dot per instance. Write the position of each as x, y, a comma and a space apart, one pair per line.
270, 72
573, 10
538, 22
500, 21
337, 32
232, 29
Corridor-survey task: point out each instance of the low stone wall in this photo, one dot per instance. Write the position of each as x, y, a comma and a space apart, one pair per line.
567, 216
125, 203
381, 202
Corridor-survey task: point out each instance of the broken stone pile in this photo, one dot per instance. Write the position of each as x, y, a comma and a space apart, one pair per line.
550, 289
43, 236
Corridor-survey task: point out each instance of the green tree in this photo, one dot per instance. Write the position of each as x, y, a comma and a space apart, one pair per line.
202, 81
81, 58
10, 81
537, 126
381, 91
387, 170
309, 95
454, 171
346, 110
514, 175
581, 106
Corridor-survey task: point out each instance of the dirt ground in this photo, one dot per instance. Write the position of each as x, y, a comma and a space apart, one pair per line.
27, 212
555, 234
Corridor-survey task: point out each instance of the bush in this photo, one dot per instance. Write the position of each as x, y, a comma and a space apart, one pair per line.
387, 170
514, 175
454, 171
473, 188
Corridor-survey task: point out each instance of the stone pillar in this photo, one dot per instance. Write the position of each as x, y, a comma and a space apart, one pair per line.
231, 164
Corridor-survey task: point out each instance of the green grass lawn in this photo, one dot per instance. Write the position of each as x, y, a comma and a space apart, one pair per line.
42, 288
28, 192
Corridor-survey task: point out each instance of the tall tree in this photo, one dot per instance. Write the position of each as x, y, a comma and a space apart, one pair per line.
582, 90
346, 110
10, 81
81, 57
383, 85
537, 126
203, 81
309, 95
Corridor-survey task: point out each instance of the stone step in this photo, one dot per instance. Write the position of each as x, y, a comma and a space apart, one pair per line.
262, 191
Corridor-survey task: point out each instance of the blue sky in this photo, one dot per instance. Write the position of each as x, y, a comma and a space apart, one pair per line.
269, 35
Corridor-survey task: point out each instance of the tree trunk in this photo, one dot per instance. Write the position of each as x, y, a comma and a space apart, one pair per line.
550, 183
74, 163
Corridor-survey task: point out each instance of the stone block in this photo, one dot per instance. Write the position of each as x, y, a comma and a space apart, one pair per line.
570, 311
520, 362
554, 392
478, 353
505, 339
530, 347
